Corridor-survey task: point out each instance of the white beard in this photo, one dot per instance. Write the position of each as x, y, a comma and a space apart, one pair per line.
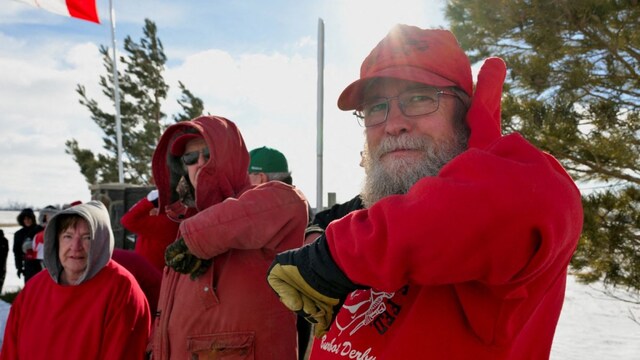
398, 176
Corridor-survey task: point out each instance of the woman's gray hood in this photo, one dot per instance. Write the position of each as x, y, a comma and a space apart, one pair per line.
97, 216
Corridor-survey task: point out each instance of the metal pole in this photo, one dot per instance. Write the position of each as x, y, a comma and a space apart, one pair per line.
319, 132
116, 93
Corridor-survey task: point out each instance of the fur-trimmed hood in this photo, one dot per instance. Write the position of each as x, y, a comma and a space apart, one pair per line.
45, 214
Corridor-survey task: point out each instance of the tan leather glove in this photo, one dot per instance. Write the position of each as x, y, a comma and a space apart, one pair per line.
315, 292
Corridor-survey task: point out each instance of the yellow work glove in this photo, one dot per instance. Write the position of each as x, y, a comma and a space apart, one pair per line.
309, 282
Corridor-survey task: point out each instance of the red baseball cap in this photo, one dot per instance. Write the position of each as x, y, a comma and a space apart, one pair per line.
429, 56
177, 148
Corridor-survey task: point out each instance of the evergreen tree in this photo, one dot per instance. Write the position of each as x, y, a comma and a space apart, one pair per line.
142, 92
192, 106
573, 89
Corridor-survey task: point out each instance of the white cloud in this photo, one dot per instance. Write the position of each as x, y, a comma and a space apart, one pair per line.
40, 110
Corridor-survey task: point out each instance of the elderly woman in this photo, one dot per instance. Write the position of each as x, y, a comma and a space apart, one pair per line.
85, 306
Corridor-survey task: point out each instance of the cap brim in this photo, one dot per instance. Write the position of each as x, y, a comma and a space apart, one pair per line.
177, 148
352, 95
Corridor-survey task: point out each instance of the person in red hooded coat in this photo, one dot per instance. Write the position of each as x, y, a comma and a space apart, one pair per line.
154, 231
214, 302
463, 246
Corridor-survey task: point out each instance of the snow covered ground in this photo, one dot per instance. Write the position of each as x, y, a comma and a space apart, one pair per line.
592, 326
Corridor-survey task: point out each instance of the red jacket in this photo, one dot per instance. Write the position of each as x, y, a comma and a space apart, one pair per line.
38, 244
469, 264
154, 232
230, 310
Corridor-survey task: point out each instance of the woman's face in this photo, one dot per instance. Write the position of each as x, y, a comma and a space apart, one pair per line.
74, 243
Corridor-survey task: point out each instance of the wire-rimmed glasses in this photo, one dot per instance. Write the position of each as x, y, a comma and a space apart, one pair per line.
412, 102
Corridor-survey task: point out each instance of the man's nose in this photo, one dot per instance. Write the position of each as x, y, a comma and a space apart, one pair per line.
397, 122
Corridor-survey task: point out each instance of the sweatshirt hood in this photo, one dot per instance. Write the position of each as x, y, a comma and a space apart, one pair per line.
224, 175
102, 240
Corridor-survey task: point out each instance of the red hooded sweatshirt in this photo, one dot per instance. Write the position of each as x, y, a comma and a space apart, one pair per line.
104, 316
469, 264
154, 232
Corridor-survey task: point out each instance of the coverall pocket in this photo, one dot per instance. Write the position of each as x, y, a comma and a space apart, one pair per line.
226, 346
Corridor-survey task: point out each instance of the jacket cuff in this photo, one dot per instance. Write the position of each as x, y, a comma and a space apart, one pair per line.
316, 265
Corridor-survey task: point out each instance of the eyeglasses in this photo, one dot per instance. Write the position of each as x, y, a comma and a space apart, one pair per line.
413, 102
192, 157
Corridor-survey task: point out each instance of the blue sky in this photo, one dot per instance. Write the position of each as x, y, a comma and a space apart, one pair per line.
254, 62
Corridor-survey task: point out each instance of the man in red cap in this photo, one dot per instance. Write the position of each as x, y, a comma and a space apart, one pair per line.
214, 302
463, 246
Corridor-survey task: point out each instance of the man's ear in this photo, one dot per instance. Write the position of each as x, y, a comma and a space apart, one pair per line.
263, 178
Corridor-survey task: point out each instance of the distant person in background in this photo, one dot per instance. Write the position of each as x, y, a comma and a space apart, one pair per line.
27, 263
267, 164
154, 232
46, 213
71, 204
85, 305
38, 240
4, 253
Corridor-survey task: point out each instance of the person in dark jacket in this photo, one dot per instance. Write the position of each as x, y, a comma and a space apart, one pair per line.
26, 259
4, 252
322, 219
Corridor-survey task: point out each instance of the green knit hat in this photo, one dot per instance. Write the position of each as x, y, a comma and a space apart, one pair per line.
267, 160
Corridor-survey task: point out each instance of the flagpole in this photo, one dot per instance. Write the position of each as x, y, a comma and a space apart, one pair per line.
116, 93
319, 131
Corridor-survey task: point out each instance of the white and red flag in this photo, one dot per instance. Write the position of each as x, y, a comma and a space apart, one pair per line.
81, 9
